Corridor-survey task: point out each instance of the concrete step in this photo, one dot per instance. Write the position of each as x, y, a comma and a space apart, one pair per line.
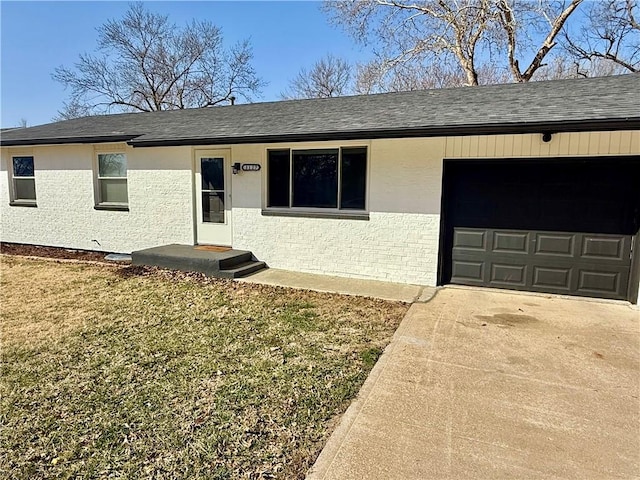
241, 270
225, 264
240, 258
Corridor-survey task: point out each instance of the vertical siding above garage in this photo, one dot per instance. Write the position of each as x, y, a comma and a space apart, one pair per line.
531, 145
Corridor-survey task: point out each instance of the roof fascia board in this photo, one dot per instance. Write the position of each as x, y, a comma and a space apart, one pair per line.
446, 131
65, 141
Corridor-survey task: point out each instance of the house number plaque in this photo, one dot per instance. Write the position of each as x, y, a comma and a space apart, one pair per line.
250, 167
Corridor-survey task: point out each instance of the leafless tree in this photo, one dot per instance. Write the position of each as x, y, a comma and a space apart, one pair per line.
566, 66
372, 77
329, 77
456, 37
610, 34
145, 63
74, 108
520, 18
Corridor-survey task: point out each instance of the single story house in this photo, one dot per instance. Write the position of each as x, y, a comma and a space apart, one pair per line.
524, 186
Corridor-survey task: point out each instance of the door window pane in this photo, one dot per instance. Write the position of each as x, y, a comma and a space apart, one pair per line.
23, 167
279, 177
112, 165
213, 207
353, 178
315, 178
212, 173
25, 188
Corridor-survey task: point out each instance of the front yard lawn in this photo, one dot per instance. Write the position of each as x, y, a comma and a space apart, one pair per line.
122, 372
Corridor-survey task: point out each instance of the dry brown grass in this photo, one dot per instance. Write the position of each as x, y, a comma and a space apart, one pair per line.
134, 373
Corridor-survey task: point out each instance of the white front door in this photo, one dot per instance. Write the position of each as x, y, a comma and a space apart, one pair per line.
213, 197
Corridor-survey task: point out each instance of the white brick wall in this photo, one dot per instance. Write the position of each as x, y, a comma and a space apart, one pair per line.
398, 243
390, 246
160, 201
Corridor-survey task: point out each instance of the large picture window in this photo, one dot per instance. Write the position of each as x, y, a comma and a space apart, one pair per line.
112, 179
24, 180
321, 178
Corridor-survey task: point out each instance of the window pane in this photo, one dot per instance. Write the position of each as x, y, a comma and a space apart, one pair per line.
315, 178
23, 166
24, 188
213, 207
212, 173
113, 191
278, 170
353, 178
112, 165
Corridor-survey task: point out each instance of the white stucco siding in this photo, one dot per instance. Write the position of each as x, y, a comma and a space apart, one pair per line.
159, 182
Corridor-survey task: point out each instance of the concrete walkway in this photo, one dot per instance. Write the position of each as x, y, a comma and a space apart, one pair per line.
484, 384
401, 292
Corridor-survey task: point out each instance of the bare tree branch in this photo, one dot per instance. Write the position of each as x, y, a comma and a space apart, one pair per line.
508, 40
611, 33
507, 17
329, 77
145, 63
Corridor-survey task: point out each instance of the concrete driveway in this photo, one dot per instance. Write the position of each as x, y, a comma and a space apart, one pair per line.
485, 384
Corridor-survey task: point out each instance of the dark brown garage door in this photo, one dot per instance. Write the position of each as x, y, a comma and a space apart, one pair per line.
559, 226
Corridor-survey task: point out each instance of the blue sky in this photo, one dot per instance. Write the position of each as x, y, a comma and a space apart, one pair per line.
39, 36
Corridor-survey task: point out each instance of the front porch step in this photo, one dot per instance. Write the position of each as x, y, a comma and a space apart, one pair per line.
243, 269
186, 258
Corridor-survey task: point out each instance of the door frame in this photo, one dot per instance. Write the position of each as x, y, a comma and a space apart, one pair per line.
197, 193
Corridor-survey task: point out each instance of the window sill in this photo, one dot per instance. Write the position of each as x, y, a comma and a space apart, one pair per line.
23, 203
308, 214
113, 207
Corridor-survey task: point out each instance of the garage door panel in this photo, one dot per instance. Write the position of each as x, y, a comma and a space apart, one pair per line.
605, 248
600, 283
503, 275
557, 262
511, 242
465, 271
552, 278
558, 225
465, 239
555, 244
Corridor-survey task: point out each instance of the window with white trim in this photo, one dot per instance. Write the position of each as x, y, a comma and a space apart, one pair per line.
333, 178
112, 179
23, 180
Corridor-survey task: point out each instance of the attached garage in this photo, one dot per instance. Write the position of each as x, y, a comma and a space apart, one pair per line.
557, 225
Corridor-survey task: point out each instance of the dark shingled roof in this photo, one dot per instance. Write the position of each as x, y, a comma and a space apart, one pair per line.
605, 103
